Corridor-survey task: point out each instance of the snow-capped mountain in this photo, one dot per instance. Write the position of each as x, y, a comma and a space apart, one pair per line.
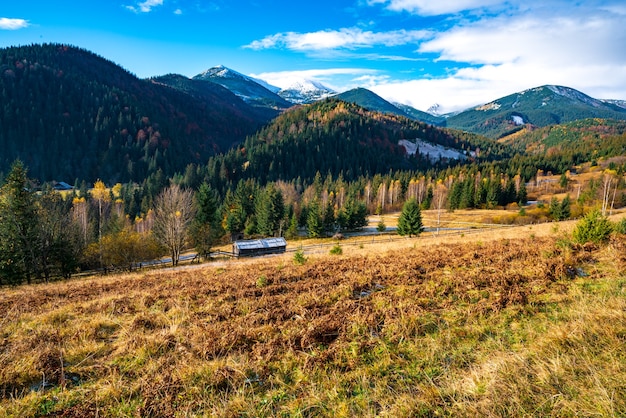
253, 91
620, 103
435, 110
305, 91
539, 106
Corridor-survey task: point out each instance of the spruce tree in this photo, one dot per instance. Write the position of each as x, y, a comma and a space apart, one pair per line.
206, 228
314, 220
18, 228
410, 221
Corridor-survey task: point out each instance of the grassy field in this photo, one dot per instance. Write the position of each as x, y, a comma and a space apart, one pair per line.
526, 324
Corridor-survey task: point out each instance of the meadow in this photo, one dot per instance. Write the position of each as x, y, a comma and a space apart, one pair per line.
528, 325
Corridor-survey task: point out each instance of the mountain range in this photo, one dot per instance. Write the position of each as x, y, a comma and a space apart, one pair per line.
539, 107
68, 114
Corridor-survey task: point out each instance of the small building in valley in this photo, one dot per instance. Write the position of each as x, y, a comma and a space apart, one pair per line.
250, 248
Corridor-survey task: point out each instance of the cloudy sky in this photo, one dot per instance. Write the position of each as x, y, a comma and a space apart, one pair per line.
457, 53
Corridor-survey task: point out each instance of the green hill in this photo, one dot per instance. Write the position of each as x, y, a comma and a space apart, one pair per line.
337, 137
369, 100
68, 113
583, 136
541, 106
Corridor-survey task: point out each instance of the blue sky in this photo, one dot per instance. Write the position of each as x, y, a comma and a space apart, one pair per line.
457, 53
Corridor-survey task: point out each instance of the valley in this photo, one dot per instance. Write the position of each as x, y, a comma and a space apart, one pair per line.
463, 329
469, 264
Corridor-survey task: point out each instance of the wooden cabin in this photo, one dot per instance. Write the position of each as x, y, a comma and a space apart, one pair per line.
251, 248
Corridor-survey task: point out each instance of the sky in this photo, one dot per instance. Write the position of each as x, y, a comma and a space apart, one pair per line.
454, 53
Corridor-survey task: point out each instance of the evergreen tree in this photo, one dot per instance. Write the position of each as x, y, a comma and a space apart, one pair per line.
314, 220
292, 230
522, 195
329, 218
555, 209
410, 221
206, 228
19, 228
270, 210
566, 210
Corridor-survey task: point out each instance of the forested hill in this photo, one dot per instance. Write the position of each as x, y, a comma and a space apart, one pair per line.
585, 136
337, 137
68, 114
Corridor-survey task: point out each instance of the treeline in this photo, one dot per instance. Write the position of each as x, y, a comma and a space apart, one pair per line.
44, 234
68, 113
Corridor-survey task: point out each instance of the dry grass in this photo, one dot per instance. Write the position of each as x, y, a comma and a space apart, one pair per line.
532, 326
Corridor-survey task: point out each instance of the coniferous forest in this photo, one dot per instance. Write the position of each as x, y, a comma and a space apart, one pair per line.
137, 150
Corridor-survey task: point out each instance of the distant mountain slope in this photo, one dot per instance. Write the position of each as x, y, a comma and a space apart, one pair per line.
249, 89
68, 114
338, 137
583, 135
210, 92
305, 91
425, 117
541, 106
371, 101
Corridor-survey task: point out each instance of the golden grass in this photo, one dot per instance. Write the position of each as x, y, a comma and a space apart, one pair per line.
521, 325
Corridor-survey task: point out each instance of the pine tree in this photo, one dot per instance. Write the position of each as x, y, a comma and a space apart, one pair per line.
19, 228
270, 210
329, 218
410, 221
206, 228
314, 220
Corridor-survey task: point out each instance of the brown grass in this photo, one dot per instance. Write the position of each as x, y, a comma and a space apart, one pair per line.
496, 327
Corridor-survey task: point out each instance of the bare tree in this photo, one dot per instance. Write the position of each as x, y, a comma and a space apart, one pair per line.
173, 212
609, 177
440, 197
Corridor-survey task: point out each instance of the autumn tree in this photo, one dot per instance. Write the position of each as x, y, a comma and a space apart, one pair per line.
173, 213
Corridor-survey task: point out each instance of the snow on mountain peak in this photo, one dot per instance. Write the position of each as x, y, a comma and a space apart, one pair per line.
435, 109
221, 71
304, 91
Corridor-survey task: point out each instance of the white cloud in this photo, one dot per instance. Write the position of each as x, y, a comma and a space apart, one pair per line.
434, 7
145, 6
346, 38
583, 49
13, 24
328, 77
178, 12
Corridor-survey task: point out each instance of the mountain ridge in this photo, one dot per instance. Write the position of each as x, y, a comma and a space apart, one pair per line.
247, 88
68, 113
539, 106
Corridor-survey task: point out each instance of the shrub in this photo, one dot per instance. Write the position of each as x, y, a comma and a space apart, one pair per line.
261, 281
620, 227
336, 250
299, 258
594, 227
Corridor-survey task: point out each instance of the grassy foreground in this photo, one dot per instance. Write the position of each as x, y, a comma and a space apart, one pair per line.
527, 327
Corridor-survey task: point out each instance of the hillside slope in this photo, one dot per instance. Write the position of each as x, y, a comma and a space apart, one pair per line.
248, 89
541, 106
338, 137
70, 114
509, 327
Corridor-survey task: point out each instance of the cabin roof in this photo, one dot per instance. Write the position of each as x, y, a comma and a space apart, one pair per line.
260, 244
